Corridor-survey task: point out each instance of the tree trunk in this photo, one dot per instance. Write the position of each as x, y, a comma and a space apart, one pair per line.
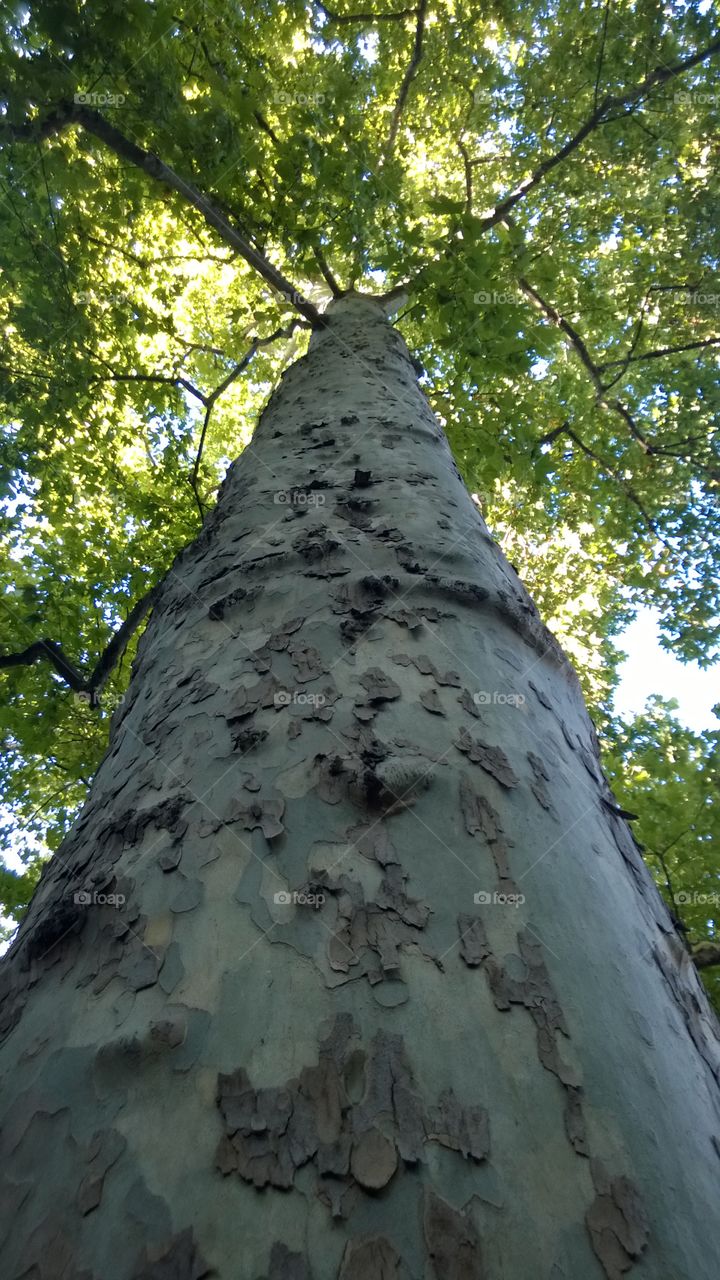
349, 968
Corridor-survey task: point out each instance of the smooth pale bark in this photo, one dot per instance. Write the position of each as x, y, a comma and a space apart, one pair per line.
344, 692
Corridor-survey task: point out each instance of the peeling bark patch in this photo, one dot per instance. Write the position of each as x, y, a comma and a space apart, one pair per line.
104, 1150
693, 1014
244, 596
452, 1241
285, 1265
413, 619
374, 1160
466, 1131
575, 1121
177, 1260
246, 702
616, 1222
373, 842
481, 818
368, 936
308, 663
247, 739
379, 687
431, 702
541, 696
361, 602
427, 668
492, 759
51, 1254
372, 1259
474, 946
535, 993
271, 1133
373, 777
467, 702
263, 811
478, 814
188, 897
540, 777
170, 859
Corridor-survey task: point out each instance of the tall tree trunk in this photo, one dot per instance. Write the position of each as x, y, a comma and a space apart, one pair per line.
349, 968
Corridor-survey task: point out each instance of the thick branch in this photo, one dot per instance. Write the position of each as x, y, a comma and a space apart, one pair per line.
53, 653
343, 18
114, 650
598, 117
327, 274
77, 114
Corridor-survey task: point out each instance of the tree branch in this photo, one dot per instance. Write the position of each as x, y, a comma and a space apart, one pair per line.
344, 18
567, 430
327, 274
210, 400
68, 114
467, 167
408, 78
114, 650
53, 653
596, 93
616, 406
154, 377
660, 351
598, 117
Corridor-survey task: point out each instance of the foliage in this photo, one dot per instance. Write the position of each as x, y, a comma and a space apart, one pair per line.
670, 777
342, 155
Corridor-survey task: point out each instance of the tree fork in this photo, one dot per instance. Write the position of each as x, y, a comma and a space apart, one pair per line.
348, 967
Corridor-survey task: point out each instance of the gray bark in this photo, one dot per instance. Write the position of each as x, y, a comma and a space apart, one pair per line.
471, 1045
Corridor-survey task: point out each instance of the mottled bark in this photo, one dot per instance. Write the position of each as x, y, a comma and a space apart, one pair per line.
390, 992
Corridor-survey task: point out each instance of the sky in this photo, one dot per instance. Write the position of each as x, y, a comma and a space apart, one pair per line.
649, 669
